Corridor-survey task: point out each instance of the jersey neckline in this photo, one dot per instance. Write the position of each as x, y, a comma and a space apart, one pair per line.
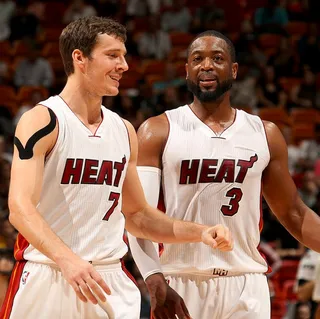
227, 132
91, 134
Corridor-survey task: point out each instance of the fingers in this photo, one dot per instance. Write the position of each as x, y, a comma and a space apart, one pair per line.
98, 279
182, 312
224, 238
208, 239
185, 309
78, 292
84, 287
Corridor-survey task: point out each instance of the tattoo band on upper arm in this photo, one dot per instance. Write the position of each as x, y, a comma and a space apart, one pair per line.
27, 152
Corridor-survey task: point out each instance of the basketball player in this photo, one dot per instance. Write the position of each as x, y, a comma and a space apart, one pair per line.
73, 174
214, 163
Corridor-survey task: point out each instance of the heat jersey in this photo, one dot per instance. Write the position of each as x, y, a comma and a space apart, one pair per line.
215, 179
82, 185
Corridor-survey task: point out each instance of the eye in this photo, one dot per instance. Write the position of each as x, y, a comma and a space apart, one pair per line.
112, 55
218, 58
196, 59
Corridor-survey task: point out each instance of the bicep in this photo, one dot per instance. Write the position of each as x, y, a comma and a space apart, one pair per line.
152, 136
35, 134
279, 189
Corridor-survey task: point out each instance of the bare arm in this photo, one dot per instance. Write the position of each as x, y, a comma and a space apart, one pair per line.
282, 196
24, 195
26, 185
144, 221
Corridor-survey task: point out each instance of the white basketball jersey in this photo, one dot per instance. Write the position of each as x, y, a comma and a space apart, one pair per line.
82, 187
215, 179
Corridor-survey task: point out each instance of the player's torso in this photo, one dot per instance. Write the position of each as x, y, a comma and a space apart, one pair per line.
213, 179
83, 177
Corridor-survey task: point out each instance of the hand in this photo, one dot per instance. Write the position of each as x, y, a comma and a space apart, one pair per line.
165, 302
218, 237
84, 279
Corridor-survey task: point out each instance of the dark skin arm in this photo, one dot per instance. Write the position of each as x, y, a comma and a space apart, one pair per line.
152, 136
282, 196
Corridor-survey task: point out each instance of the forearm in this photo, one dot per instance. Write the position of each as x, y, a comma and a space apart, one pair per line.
152, 224
304, 224
29, 222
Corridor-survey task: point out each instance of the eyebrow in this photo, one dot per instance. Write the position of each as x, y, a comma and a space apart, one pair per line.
116, 50
201, 51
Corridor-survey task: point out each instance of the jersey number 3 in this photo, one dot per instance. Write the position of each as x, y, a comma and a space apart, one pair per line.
235, 195
115, 198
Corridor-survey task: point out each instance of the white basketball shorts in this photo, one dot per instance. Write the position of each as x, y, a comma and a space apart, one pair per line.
39, 291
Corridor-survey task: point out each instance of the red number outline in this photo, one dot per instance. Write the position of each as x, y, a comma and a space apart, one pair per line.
115, 198
232, 208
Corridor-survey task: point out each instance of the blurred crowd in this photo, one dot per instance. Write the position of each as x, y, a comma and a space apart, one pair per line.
278, 49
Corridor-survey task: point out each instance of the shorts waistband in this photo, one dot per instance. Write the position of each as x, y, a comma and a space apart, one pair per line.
106, 266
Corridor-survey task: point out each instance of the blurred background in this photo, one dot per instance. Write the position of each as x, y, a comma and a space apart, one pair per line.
278, 50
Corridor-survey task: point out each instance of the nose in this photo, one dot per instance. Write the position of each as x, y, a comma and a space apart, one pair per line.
207, 64
123, 65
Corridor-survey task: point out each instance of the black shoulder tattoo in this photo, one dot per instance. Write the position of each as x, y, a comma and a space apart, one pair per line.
27, 152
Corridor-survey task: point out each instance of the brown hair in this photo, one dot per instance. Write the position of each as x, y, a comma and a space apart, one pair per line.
82, 34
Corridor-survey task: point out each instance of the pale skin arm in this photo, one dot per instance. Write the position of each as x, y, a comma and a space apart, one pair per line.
282, 196
24, 194
144, 221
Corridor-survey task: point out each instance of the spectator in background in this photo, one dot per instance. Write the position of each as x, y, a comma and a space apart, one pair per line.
285, 61
154, 43
23, 24
7, 8
33, 70
37, 8
170, 79
107, 8
4, 72
271, 18
305, 93
245, 38
297, 9
305, 280
78, 9
209, 16
177, 18
309, 48
309, 189
269, 92
142, 8
310, 150
243, 91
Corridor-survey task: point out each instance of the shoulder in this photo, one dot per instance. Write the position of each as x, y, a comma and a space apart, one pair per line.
41, 121
156, 127
276, 142
36, 118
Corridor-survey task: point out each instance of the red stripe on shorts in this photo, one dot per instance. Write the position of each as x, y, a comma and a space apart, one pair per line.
12, 289
19, 247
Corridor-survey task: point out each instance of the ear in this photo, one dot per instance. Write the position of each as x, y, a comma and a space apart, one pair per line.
79, 60
186, 67
235, 67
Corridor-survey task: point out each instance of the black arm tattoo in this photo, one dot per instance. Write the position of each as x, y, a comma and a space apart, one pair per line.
27, 152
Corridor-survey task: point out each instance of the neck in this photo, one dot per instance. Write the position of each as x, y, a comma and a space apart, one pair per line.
214, 112
85, 104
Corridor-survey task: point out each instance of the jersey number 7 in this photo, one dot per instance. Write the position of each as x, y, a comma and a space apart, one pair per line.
115, 198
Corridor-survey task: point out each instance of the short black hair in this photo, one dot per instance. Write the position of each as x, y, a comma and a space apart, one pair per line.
213, 33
